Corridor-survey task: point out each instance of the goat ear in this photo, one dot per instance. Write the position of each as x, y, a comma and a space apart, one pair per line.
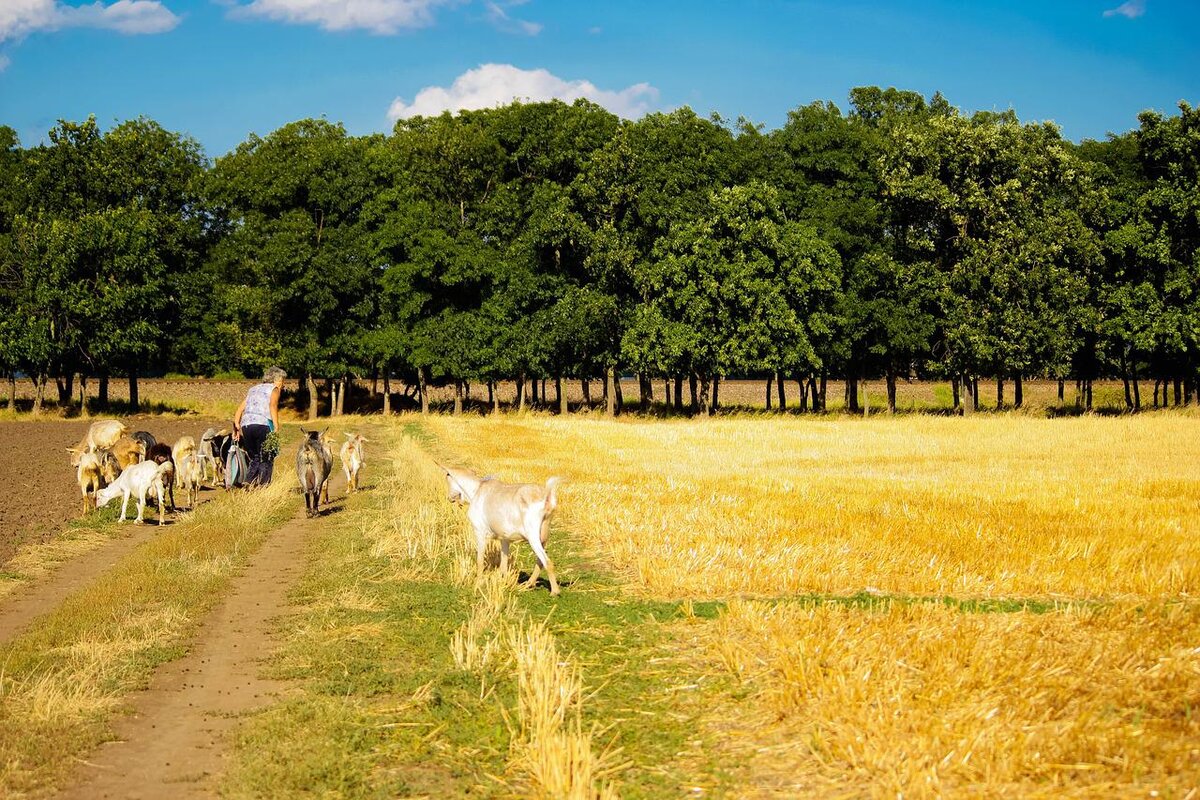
302, 430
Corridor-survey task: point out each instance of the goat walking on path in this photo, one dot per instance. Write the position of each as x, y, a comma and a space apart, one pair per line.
352, 456
314, 462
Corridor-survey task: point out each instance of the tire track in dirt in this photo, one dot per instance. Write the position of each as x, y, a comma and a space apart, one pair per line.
173, 745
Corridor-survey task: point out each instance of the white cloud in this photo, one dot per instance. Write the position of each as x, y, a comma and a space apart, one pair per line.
4, 62
494, 85
376, 16
19, 18
500, 18
1131, 9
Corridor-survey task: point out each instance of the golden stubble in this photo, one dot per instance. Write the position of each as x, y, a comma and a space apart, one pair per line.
995, 506
1089, 689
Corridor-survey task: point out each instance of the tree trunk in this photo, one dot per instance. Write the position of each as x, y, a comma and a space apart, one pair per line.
969, 398
1087, 394
458, 397
387, 393
66, 387
1125, 383
610, 392
954, 393
375, 383
823, 395
645, 391
999, 393
135, 402
619, 391
770, 391
586, 385
12, 392
39, 393
423, 389
782, 392
102, 392
1178, 392
1157, 385
679, 393
494, 397
667, 394
545, 397
716, 393
695, 397
521, 392
1018, 391
975, 392
1062, 390
891, 391
560, 395
802, 384
533, 391
311, 385
852, 395
1137, 392
82, 393
345, 390
703, 399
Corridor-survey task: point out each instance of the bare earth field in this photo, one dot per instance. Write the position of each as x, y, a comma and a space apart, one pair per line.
40, 494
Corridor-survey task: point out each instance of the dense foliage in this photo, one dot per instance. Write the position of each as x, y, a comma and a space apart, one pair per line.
900, 239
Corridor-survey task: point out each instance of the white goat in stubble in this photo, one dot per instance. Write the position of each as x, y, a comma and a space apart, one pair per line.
507, 512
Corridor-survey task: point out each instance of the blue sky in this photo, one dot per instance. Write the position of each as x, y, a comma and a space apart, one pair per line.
220, 69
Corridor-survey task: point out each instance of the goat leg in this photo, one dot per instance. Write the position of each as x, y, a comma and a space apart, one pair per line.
544, 560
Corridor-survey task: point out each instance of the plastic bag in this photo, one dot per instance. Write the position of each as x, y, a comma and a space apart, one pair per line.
237, 467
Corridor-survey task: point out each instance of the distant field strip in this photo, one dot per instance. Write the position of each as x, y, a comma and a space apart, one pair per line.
1002, 506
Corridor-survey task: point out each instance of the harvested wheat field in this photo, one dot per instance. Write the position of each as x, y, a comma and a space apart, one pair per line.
920, 607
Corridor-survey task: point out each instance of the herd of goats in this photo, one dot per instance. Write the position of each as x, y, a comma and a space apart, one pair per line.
111, 462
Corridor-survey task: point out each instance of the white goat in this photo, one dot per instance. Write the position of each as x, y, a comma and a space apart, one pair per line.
353, 456
138, 480
507, 512
190, 476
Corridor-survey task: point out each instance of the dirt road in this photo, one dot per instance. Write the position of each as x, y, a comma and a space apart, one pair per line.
172, 745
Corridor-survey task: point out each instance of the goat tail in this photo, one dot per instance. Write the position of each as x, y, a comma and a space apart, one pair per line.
552, 494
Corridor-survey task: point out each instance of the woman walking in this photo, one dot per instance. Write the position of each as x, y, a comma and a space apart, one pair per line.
256, 417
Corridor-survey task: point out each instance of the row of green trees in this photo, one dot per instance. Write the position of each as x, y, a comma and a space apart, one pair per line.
899, 239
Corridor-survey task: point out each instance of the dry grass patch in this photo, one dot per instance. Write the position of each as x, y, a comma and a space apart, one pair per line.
922, 700
993, 506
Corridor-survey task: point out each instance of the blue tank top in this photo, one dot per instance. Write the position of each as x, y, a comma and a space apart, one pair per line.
258, 405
